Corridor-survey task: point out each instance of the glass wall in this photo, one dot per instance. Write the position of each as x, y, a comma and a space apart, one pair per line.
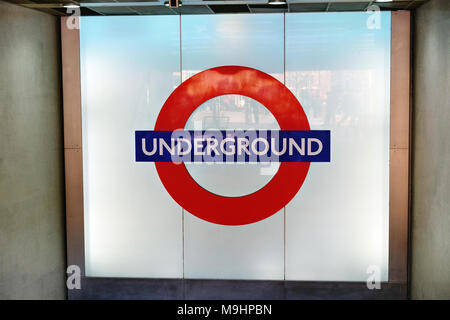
334, 228
233, 252
339, 70
129, 66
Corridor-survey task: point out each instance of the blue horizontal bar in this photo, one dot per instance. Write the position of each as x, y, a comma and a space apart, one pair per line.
233, 146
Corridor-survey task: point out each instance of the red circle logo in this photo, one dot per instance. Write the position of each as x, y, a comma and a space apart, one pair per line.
277, 99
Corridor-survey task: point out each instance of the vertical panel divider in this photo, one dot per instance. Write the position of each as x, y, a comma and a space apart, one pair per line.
284, 82
399, 146
71, 87
182, 210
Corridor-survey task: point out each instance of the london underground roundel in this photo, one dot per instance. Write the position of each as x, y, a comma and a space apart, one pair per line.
295, 146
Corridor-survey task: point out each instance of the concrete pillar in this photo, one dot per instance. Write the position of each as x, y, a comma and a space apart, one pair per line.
32, 232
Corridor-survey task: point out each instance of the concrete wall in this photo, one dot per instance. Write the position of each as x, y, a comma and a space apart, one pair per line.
430, 270
32, 241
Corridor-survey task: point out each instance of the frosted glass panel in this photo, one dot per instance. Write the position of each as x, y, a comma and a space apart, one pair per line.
233, 252
337, 225
129, 66
334, 228
254, 41
253, 251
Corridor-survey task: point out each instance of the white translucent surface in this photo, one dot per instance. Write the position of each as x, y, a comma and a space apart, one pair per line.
233, 252
229, 112
337, 225
129, 66
253, 251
